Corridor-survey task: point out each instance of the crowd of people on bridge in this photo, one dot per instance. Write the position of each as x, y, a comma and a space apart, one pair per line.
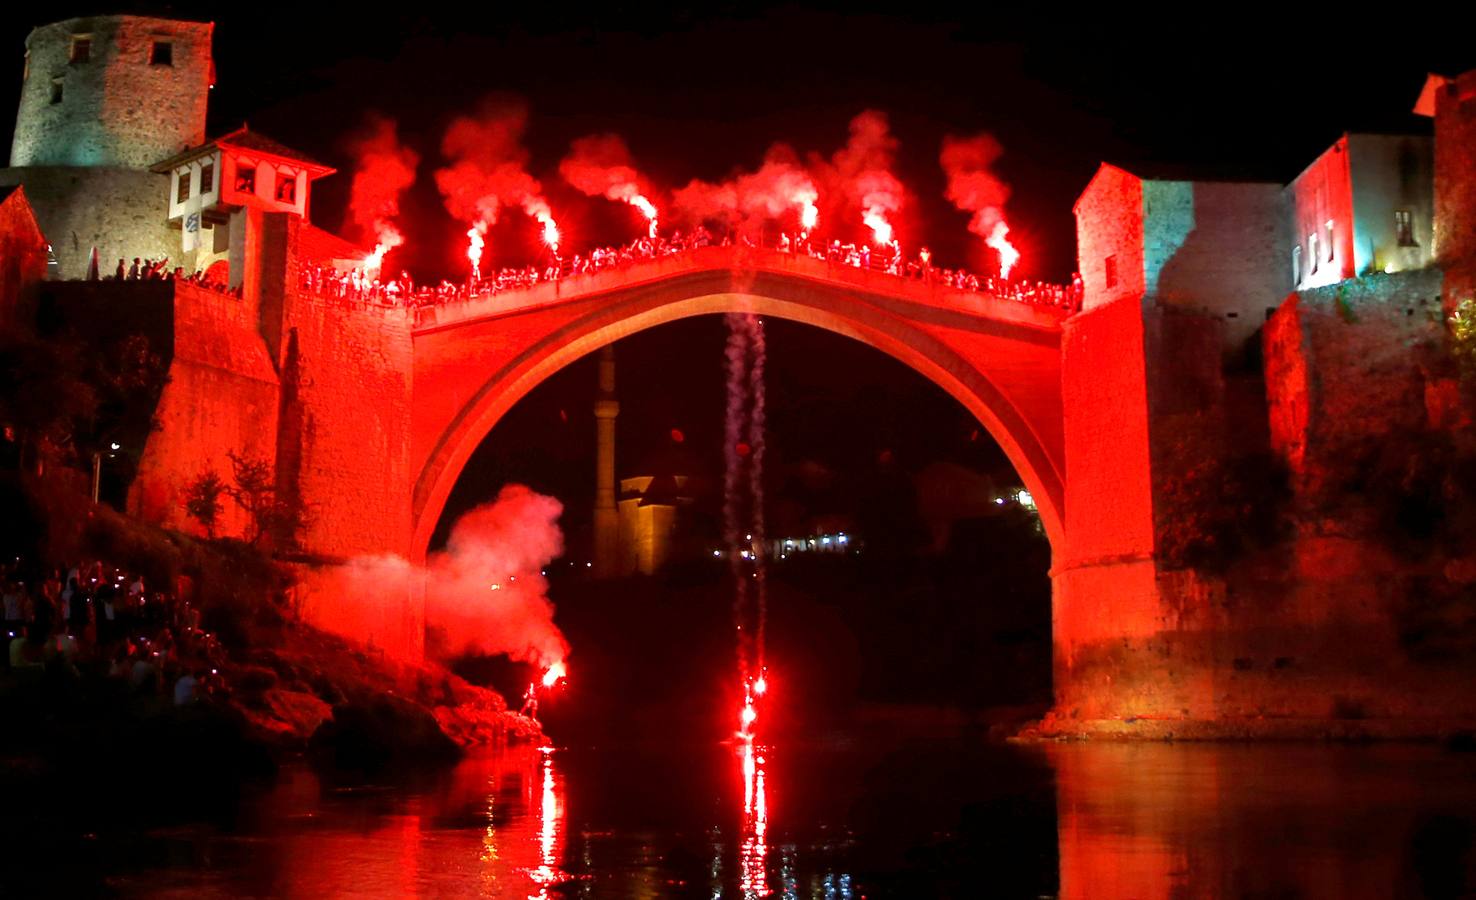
359, 285
96, 619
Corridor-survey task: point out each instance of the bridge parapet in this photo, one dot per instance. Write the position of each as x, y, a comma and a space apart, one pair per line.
1038, 304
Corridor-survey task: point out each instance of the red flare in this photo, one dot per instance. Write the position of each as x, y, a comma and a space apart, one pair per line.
476, 242
555, 672
1008, 255
881, 230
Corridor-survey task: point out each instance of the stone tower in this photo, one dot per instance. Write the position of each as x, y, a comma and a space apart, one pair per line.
104, 98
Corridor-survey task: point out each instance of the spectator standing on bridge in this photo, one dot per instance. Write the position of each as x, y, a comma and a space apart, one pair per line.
134, 269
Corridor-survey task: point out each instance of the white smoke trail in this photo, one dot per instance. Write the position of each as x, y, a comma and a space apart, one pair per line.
736, 354
756, 442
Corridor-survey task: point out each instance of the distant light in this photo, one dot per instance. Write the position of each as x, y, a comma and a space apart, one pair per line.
717, 553
825, 540
749, 538
1024, 499
115, 445
1388, 268
589, 565
999, 501
842, 538
496, 587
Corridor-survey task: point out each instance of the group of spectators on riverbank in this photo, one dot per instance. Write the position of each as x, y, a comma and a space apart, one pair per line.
365, 286
96, 619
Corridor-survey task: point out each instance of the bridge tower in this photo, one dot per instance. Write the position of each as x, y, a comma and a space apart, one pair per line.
102, 99
606, 514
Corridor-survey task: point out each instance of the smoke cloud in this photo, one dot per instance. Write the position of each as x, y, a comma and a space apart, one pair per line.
973, 187
488, 165
749, 199
383, 170
859, 178
483, 594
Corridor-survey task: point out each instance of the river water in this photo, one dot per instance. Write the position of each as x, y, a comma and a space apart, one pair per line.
837, 817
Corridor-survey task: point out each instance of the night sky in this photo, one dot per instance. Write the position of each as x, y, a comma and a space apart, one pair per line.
700, 91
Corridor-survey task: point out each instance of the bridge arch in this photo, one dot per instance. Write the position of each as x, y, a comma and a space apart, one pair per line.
1005, 370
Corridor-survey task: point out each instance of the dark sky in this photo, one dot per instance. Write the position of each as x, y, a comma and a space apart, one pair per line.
700, 91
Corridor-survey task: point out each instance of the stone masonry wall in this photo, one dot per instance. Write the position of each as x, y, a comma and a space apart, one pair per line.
345, 420
221, 398
116, 108
1109, 223
1455, 187
118, 211
1218, 248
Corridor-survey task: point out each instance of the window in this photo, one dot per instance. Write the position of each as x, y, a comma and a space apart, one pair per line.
245, 177
207, 178
1297, 264
1109, 266
56, 90
1331, 244
161, 53
286, 187
182, 193
1312, 251
1404, 228
81, 48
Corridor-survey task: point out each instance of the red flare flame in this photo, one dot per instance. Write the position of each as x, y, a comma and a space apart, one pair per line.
475, 243
1008, 255
648, 209
555, 672
881, 230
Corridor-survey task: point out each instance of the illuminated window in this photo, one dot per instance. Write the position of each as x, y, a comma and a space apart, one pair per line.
1312, 250
1297, 264
286, 187
56, 91
1110, 266
1404, 228
81, 48
207, 178
245, 177
1331, 245
161, 53
183, 192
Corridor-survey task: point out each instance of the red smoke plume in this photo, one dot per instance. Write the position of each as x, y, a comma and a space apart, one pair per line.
859, 175
600, 166
973, 187
747, 200
484, 593
487, 168
383, 169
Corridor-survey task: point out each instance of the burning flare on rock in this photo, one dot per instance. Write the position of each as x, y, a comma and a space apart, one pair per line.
554, 674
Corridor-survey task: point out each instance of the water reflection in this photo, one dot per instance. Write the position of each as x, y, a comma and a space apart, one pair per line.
909, 817
753, 855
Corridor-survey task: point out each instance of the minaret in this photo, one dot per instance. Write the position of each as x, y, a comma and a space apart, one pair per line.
606, 516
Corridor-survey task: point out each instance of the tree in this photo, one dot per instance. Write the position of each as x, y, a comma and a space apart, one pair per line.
202, 500
254, 490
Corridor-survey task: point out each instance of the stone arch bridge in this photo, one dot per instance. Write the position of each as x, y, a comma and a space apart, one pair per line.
369, 413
